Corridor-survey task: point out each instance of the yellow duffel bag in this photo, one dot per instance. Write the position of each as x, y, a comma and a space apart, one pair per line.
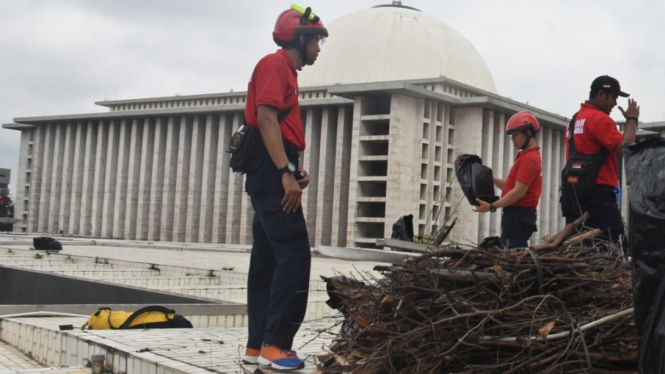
150, 317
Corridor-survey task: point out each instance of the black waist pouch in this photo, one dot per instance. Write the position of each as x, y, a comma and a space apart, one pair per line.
245, 145
578, 177
579, 174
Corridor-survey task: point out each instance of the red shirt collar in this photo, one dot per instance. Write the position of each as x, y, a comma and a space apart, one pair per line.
282, 53
589, 105
521, 153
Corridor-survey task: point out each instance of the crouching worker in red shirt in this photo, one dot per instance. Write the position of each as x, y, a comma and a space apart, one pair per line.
520, 192
279, 268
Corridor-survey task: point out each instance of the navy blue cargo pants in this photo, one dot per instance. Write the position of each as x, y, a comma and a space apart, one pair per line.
279, 267
517, 225
604, 212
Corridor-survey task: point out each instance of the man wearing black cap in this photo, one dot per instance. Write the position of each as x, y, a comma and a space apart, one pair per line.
595, 134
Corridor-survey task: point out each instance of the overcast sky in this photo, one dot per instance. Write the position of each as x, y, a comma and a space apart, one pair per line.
60, 56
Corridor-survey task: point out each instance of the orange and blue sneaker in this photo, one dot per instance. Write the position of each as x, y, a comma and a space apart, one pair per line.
280, 359
251, 356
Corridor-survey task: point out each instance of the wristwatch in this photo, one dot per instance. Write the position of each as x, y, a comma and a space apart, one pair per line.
492, 208
288, 168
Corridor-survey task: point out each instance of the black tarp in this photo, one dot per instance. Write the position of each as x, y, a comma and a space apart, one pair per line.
645, 174
403, 228
46, 243
475, 178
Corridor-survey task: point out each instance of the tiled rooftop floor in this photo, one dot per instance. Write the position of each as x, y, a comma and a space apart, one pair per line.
13, 361
212, 350
195, 350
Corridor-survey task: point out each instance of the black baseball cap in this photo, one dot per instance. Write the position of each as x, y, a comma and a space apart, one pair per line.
607, 83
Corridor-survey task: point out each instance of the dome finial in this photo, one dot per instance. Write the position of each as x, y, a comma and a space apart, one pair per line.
395, 4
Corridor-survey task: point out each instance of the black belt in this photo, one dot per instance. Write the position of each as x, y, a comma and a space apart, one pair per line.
291, 150
521, 209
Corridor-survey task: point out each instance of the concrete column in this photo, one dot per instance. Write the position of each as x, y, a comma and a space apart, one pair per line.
131, 199
341, 203
405, 161
210, 168
508, 157
424, 127
234, 210
77, 179
119, 211
170, 174
112, 158
223, 179
182, 180
311, 164
99, 178
547, 194
465, 131
158, 179
246, 236
558, 155
234, 203
56, 179
498, 163
539, 208
436, 172
22, 193
353, 171
69, 151
47, 170
192, 229
35, 178
448, 161
143, 220
88, 185
486, 154
325, 180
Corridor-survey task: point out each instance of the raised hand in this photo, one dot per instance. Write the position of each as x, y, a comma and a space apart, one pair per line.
632, 111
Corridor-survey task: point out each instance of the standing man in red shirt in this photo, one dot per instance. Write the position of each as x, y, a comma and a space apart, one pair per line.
520, 192
594, 131
279, 268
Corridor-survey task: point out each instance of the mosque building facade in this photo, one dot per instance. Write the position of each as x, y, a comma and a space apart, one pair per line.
385, 117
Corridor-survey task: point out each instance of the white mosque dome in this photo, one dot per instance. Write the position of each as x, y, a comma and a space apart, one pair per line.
388, 43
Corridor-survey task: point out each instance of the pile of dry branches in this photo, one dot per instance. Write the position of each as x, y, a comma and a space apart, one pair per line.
562, 307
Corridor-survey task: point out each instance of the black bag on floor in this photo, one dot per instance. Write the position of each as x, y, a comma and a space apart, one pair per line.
475, 178
46, 243
645, 172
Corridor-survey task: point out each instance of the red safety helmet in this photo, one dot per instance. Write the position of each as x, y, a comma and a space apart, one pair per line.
522, 121
291, 24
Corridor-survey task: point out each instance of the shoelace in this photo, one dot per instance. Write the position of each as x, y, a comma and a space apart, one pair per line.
290, 353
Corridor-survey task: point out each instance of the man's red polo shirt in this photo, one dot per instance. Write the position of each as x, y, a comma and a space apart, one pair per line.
274, 82
528, 169
594, 129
